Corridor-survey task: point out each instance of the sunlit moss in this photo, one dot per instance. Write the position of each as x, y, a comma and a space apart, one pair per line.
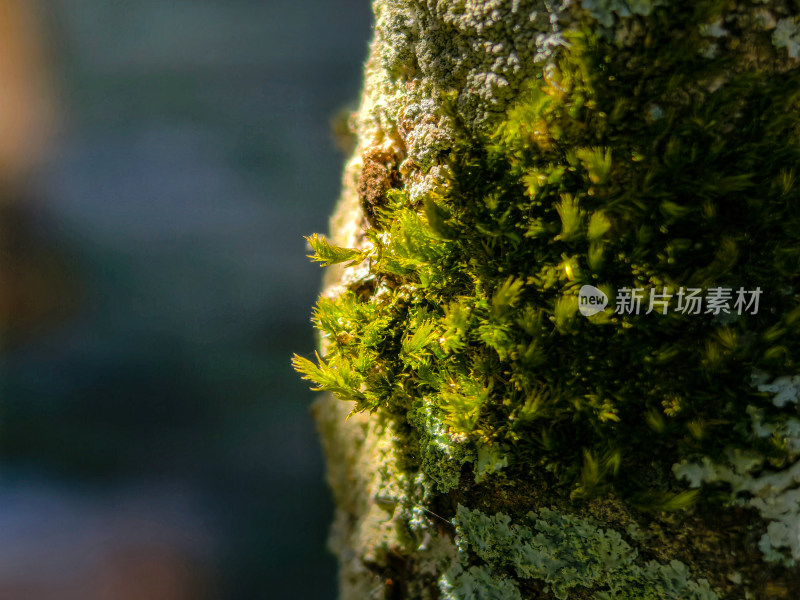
629, 161
480, 310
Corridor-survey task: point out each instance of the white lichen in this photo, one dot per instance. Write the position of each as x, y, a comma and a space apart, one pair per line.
714, 29
608, 11
787, 35
774, 494
415, 64
786, 389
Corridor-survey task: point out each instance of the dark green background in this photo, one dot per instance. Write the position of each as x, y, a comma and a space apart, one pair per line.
194, 153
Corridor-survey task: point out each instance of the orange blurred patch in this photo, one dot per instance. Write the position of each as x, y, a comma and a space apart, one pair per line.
34, 286
26, 106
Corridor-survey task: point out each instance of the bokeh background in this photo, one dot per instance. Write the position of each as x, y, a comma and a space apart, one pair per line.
160, 161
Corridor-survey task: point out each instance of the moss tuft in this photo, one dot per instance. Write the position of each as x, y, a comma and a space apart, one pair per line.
474, 316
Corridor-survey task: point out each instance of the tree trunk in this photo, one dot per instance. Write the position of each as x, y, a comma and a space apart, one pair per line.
506, 437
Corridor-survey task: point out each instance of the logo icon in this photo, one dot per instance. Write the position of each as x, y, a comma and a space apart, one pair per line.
591, 300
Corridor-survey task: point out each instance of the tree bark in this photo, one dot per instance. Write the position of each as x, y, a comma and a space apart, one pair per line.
438, 509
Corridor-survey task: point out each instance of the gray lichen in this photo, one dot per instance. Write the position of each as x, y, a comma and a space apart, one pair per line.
564, 553
476, 583
491, 459
787, 35
775, 494
786, 389
607, 11
480, 50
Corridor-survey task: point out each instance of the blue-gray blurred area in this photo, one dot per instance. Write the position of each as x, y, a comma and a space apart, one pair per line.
152, 432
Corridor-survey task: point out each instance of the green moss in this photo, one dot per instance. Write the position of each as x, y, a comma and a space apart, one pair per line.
442, 454
472, 328
643, 162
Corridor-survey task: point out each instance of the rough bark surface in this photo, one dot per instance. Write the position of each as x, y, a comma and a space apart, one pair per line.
514, 533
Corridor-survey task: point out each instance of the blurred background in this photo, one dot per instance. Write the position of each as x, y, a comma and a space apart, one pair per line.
160, 161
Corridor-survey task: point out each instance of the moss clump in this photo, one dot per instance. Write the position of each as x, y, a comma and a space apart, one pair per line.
467, 319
